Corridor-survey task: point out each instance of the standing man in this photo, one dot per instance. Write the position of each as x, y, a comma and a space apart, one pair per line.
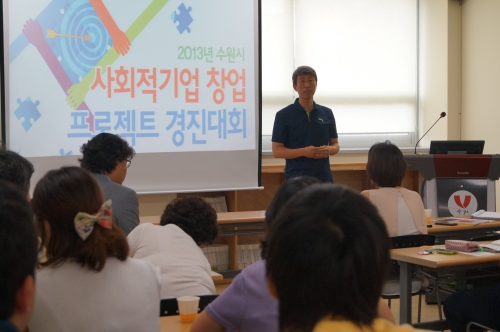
108, 156
304, 132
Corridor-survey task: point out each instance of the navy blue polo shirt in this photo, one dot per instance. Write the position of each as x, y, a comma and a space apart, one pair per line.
296, 129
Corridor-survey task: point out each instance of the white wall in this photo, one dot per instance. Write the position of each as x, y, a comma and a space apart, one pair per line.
433, 69
454, 70
481, 74
153, 205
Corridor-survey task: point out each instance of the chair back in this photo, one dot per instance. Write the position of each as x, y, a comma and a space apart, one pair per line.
417, 240
168, 307
408, 241
473, 326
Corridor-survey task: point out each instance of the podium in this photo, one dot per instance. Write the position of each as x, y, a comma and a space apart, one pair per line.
457, 184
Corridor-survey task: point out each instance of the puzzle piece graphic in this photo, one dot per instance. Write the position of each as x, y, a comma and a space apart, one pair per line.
184, 18
62, 153
27, 110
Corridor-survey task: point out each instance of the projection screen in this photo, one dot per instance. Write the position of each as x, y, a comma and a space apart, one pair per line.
179, 80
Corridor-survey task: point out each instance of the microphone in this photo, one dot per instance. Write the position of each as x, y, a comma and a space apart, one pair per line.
442, 115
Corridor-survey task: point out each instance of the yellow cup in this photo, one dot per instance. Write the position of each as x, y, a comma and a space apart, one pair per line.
428, 213
188, 318
188, 308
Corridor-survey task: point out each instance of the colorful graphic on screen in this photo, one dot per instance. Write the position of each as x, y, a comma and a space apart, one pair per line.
165, 75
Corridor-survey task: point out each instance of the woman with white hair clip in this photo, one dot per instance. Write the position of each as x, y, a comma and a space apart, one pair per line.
88, 283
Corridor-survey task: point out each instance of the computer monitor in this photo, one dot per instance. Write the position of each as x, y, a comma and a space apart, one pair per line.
456, 147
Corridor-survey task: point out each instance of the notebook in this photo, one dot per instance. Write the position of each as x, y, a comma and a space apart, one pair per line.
481, 214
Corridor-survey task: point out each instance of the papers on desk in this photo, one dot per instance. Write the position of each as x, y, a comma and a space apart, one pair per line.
481, 214
493, 246
477, 253
473, 222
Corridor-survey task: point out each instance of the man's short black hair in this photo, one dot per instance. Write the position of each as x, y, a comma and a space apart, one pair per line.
103, 152
18, 245
327, 256
303, 70
15, 169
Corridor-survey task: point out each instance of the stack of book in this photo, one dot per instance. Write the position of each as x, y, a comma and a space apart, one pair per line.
218, 203
218, 256
248, 254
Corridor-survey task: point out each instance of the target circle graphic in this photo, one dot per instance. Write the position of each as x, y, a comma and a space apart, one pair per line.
81, 55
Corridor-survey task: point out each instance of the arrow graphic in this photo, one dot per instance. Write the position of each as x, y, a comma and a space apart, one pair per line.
53, 34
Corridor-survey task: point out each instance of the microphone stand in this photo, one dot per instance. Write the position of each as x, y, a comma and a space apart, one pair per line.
441, 116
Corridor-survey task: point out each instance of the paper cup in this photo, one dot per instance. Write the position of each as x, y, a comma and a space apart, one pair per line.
188, 308
428, 213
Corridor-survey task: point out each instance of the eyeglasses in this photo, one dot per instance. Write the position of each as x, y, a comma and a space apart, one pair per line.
129, 162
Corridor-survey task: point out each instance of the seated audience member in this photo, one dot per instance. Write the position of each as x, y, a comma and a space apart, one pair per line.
186, 223
328, 242
88, 283
108, 156
400, 208
246, 304
16, 169
18, 255
479, 305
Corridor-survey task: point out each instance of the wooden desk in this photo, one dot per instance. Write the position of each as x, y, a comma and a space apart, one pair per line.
240, 217
234, 219
173, 324
462, 231
231, 225
410, 260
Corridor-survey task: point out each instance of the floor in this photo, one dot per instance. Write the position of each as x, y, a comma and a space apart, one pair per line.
429, 311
